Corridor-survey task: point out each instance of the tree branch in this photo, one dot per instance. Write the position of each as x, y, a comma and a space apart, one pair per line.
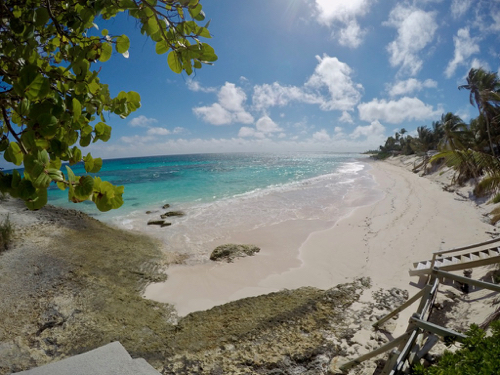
14, 134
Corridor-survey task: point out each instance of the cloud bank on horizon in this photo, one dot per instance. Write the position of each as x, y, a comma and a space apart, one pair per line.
305, 75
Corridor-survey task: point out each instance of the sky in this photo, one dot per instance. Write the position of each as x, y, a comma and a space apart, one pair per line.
303, 75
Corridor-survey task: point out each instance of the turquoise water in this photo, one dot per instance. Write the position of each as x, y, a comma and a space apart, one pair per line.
225, 193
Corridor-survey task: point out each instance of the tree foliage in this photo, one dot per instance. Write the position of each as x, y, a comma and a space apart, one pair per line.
52, 102
479, 355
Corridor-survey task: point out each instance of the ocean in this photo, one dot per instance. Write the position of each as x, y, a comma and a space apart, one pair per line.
224, 193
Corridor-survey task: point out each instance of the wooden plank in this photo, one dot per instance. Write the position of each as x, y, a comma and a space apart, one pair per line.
346, 366
484, 261
391, 362
438, 330
467, 247
466, 280
402, 307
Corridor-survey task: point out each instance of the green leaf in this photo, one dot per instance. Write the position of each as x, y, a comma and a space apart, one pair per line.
48, 125
77, 108
71, 175
38, 201
195, 11
103, 132
104, 32
84, 188
41, 16
106, 196
92, 165
162, 47
13, 154
122, 44
174, 63
106, 52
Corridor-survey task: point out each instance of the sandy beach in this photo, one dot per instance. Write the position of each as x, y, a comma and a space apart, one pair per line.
414, 218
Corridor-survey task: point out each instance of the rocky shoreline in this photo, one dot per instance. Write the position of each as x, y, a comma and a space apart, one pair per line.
71, 284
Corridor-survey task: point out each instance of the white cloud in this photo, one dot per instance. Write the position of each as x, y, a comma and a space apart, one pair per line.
416, 29
214, 114
340, 10
410, 86
397, 111
264, 127
265, 96
352, 35
460, 7
476, 64
245, 132
178, 130
465, 47
196, 86
343, 15
346, 117
158, 131
228, 109
321, 136
267, 126
137, 139
330, 86
335, 76
375, 129
142, 121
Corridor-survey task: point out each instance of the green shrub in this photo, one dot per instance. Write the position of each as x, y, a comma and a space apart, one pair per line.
479, 355
496, 198
5, 233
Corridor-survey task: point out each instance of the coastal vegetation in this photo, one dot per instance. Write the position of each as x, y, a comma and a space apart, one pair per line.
480, 354
52, 101
470, 149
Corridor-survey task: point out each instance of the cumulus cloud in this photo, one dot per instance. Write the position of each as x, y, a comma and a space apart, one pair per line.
196, 86
352, 35
228, 109
410, 86
330, 86
375, 129
416, 29
142, 121
397, 111
346, 117
465, 47
158, 131
342, 15
264, 127
460, 7
334, 76
321, 136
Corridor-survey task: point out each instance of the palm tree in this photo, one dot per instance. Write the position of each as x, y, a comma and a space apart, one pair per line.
483, 86
454, 130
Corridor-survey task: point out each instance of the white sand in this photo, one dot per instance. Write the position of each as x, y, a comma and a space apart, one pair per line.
415, 218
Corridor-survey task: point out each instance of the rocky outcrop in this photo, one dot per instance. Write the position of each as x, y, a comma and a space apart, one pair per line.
229, 252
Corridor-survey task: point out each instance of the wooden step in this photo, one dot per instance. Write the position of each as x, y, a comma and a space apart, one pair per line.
458, 262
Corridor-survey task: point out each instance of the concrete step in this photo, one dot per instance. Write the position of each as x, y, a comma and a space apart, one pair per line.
110, 359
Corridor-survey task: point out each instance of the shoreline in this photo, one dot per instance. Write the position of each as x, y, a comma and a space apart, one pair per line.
71, 283
414, 218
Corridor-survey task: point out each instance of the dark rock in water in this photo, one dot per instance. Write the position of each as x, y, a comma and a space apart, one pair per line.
156, 222
230, 251
165, 224
166, 206
172, 213
150, 212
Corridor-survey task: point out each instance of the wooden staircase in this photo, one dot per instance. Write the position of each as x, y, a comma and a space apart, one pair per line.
456, 262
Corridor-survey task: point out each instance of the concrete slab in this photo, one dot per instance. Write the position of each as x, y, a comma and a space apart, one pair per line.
111, 359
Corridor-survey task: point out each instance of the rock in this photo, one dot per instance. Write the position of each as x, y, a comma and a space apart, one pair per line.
230, 251
172, 213
156, 222
166, 224
165, 206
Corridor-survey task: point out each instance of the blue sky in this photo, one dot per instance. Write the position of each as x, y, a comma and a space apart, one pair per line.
304, 75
